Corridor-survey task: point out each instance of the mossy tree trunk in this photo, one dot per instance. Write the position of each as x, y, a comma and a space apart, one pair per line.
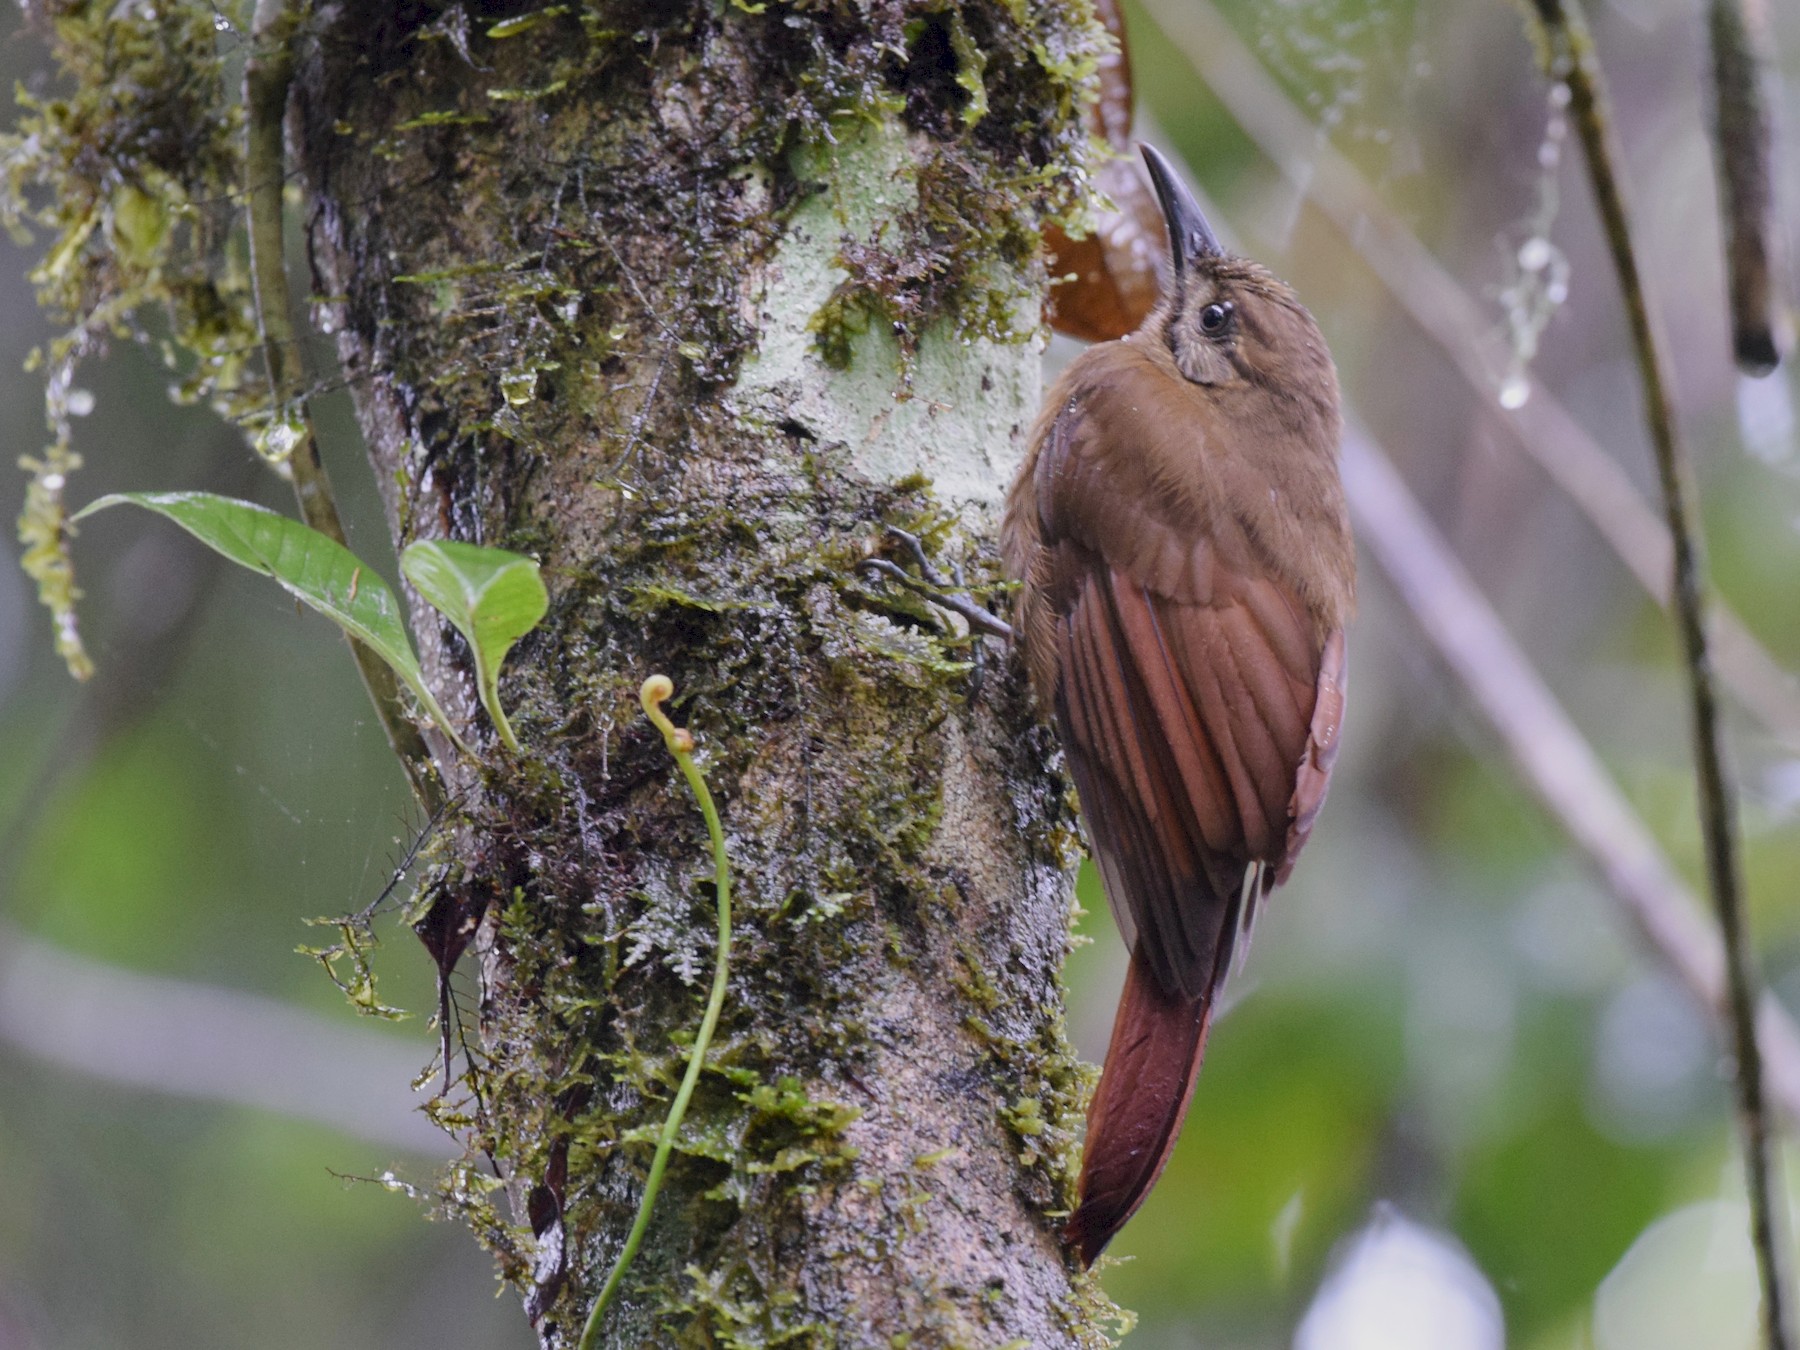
689, 301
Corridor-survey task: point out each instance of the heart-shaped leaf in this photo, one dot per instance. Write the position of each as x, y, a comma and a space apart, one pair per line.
492, 596
315, 568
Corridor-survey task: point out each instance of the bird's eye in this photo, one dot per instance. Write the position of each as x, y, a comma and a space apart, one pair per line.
1216, 318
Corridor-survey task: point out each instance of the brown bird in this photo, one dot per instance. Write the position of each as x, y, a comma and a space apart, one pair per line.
1179, 532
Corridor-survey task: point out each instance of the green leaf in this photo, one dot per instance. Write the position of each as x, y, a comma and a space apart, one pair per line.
315, 568
493, 597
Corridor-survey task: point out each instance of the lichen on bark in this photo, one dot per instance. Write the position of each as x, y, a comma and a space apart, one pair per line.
690, 301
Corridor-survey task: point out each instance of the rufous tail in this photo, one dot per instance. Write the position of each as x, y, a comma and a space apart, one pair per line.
1136, 1115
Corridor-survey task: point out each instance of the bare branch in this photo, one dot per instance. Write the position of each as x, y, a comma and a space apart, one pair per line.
1744, 142
209, 1043
1551, 755
266, 78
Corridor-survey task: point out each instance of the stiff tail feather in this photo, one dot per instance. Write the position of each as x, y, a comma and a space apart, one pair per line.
1136, 1115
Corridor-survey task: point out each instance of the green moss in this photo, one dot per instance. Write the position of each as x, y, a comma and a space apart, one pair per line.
133, 175
729, 1309
129, 175
775, 613
963, 253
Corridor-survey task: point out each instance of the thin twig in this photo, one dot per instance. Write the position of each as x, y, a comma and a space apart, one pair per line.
267, 75
655, 692
1744, 136
1569, 57
1543, 429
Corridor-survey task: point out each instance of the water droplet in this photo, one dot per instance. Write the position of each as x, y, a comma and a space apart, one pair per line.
1559, 95
1767, 419
81, 402
54, 482
1556, 291
1549, 155
221, 24
279, 439
1514, 391
1534, 254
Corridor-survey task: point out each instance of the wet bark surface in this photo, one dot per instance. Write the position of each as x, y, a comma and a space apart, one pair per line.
555, 250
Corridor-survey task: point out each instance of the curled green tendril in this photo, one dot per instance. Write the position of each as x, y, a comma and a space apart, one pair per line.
657, 690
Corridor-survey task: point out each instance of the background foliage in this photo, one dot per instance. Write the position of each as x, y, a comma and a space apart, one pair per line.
1442, 1019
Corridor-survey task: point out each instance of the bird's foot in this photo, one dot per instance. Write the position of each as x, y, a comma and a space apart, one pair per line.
934, 588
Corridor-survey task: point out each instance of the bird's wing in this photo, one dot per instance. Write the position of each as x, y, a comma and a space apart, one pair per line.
1197, 704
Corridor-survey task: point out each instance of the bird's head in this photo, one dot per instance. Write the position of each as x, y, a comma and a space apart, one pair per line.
1227, 320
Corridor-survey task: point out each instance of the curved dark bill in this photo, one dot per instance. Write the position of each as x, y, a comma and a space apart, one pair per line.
1190, 237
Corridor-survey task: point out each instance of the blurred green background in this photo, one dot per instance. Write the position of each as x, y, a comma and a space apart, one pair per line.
1448, 1076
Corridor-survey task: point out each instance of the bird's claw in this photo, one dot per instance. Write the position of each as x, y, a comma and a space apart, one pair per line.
916, 547
933, 587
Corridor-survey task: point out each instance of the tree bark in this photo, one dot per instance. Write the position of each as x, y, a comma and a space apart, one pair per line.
689, 301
